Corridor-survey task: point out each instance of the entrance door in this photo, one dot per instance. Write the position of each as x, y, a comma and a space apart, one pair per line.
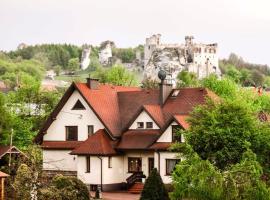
150, 165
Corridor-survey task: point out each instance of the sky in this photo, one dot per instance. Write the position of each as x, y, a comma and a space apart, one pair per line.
239, 26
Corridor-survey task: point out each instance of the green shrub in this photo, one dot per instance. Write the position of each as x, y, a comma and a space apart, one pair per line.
154, 188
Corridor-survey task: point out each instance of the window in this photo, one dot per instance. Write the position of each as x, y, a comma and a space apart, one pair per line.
175, 133
149, 124
78, 106
87, 164
109, 162
134, 165
170, 165
90, 130
71, 133
140, 125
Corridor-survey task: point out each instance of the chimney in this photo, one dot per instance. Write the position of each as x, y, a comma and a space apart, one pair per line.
92, 83
164, 88
164, 91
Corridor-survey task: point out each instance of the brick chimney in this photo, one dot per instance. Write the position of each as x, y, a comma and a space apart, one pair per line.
164, 91
92, 83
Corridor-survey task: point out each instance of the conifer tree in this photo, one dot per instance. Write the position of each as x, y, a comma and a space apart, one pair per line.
154, 188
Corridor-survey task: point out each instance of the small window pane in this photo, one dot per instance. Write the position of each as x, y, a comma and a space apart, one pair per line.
170, 165
71, 133
140, 125
149, 124
109, 162
87, 164
134, 165
90, 130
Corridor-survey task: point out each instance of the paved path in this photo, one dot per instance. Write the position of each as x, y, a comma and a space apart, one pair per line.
119, 196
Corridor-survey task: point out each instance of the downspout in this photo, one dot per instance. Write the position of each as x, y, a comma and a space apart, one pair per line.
100, 172
158, 161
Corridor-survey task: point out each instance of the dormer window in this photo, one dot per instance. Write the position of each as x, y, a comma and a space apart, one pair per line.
149, 125
140, 125
78, 106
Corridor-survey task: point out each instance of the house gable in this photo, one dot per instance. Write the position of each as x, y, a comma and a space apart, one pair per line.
67, 116
143, 117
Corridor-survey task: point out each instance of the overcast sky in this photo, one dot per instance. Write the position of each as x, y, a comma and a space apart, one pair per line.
240, 26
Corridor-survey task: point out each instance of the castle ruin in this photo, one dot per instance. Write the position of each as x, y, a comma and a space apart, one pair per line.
201, 59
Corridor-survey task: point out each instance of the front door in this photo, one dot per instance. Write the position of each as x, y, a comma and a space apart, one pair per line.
150, 165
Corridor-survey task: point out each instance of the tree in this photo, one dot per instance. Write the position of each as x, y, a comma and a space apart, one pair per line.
150, 84
28, 177
117, 75
187, 79
73, 64
220, 131
225, 87
194, 178
65, 188
154, 188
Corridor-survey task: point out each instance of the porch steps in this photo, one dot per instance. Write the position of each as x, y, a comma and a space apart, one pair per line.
136, 188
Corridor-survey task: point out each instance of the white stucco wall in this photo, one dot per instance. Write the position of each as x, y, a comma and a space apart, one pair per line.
163, 156
59, 160
69, 117
167, 134
143, 117
143, 155
110, 175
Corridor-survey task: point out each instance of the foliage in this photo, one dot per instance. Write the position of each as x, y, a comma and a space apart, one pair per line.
117, 75
65, 188
27, 180
221, 132
150, 84
154, 188
126, 55
73, 64
195, 178
56, 54
187, 79
223, 87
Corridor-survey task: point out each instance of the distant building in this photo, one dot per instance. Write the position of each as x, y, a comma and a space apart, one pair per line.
201, 59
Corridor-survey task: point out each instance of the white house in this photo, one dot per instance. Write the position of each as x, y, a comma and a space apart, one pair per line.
112, 136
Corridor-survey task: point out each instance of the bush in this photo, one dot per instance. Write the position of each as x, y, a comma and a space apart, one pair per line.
154, 188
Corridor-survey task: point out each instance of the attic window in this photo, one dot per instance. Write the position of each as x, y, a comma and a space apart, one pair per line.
140, 125
175, 93
78, 106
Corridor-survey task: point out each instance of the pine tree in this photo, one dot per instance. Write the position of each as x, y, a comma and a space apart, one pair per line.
154, 188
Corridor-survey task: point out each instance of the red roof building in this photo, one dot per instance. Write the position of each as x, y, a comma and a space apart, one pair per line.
108, 133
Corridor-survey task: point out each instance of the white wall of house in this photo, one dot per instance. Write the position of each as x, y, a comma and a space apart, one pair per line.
167, 134
163, 156
69, 117
59, 160
110, 175
143, 117
144, 155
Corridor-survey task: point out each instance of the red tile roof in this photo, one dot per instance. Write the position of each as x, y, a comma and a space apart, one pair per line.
118, 106
97, 144
60, 144
104, 102
181, 119
161, 145
3, 175
138, 139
